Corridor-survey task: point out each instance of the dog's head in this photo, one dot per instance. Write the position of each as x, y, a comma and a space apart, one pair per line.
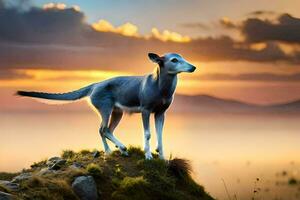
172, 63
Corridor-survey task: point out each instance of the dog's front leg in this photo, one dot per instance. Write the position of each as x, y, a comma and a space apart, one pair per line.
147, 135
159, 123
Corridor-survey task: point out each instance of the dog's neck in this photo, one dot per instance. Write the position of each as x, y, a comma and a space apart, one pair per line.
166, 82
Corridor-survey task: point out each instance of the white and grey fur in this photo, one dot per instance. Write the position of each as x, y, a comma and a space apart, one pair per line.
152, 93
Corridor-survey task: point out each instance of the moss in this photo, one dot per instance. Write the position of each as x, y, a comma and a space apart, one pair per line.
135, 151
132, 188
94, 169
4, 189
68, 154
39, 164
45, 188
116, 176
85, 152
6, 176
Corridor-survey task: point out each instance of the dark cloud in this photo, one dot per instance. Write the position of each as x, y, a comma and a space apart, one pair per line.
227, 23
225, 48
264, 77
41, 26
285, 29
20, 5
62, 39
12, 74
262, 12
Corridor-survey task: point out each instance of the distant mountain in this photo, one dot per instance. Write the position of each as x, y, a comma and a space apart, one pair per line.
206, 103
290, 107
182, 103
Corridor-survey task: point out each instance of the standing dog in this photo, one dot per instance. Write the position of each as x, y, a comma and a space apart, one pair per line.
147, 94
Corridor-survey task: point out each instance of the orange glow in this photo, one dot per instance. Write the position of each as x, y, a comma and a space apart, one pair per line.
169, 36
59, 6
44, 74
130, 30
258, 46
127, 29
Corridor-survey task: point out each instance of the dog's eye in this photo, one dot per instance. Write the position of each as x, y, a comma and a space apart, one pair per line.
174, 60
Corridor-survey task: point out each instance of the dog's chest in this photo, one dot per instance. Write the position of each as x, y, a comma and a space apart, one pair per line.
160, 104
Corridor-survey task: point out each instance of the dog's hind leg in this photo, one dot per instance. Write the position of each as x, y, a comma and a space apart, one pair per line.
102, 134
105, 114
115, 118
105, 108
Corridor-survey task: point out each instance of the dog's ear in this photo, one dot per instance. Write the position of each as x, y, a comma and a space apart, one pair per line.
155, 58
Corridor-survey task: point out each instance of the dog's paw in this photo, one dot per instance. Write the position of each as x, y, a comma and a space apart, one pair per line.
108, 152
124, 153
148, 156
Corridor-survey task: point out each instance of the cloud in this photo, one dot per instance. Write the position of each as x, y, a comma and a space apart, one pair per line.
131, 30
227, 23
285, 28
262, 12
58, 37
199, 25
59, 6
264, 77
168, 36
226, 49
20, 5
50, 25
127, 29
13, 74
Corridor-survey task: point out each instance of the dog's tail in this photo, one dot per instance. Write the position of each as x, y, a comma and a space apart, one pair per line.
69, 96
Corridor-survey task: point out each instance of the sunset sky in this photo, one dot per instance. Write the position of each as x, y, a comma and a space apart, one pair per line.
244, 50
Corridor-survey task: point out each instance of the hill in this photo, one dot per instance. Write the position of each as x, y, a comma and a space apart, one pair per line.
89, 175
210, 104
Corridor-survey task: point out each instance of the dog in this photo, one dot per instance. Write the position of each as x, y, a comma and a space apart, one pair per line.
152, 93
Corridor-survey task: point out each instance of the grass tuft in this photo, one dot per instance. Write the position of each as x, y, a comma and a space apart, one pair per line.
6, 176
132, 188
67, 154
85, 152
44, 188
180, 167
94, 169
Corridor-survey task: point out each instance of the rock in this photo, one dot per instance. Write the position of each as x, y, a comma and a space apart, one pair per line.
6, 196
21, 177
76, 165
52, 160
9, 185
96, 154
45, 171
55, 163
58, 164
85, 188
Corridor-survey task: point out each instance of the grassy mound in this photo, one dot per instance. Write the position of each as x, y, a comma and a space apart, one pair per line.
117, 177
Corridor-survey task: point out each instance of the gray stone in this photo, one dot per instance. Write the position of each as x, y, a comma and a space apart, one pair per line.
6, 196
45, 171
52, 160
85, 188
21, 177
58, 164
76, 165
9, 185
55, 163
